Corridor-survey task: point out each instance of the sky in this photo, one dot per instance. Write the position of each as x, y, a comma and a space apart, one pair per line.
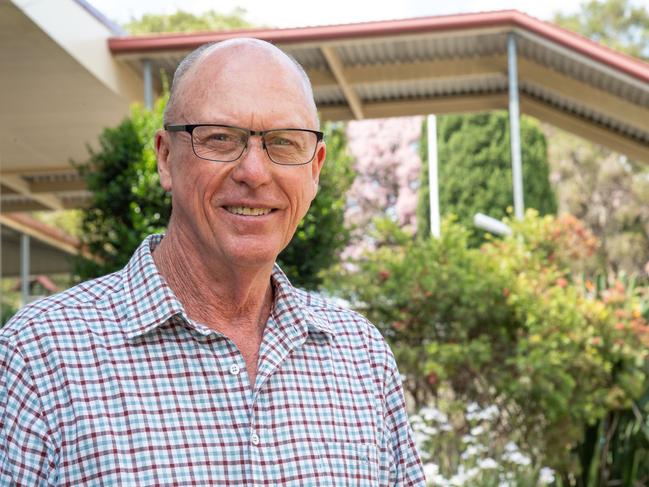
285, 13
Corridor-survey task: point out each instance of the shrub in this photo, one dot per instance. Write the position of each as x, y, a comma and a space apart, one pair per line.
509, 324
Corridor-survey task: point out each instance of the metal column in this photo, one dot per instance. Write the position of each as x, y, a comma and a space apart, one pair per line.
148, 83
514, 127
433, 184
24, 268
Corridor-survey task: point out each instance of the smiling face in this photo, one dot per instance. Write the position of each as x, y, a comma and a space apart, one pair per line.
241, 213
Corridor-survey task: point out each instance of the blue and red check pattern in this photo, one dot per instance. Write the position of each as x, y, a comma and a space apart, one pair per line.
110, 384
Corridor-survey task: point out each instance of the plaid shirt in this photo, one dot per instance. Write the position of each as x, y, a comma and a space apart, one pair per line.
110, 383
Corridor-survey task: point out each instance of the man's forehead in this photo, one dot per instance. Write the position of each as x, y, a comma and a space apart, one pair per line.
243, 55
237, 71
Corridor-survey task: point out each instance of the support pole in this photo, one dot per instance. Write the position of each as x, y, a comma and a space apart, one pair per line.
433, 189
148, 83
24, 268
514, 127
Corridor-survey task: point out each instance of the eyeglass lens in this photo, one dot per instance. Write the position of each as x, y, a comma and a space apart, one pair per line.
225, 144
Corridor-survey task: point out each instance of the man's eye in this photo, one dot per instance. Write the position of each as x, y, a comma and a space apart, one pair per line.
223, 137
281, 141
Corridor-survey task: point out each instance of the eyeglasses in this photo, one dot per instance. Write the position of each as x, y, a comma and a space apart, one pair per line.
224, 143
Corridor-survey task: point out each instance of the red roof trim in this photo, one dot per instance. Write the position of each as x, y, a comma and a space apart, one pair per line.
505, 18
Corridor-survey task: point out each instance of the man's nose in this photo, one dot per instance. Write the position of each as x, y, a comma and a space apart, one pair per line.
254, 166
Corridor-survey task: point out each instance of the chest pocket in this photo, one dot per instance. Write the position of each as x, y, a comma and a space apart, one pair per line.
348, 464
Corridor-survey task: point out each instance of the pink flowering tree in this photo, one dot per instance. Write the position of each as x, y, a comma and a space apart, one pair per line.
387, 174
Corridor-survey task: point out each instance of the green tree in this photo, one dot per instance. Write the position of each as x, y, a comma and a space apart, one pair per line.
182, 21
615, 23
475, 168
127, 201
603, 188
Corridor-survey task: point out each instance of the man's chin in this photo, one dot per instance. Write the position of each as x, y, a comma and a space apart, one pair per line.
250, 255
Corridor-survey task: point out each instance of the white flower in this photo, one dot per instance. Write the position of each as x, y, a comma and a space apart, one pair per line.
511, 447
433, 414
430, 430
507, 479
518, 458
471, 451
472, 407
474, 451
431, 471
438, 481
490, 413
472, 473
546, 476
458, 479
415, 419
487, 463
477, 430
419, 438
468, 439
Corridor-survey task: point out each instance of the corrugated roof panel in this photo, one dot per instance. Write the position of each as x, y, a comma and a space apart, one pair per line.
582, 71
75, 195
52, 177
427, 88
15, 198
329, 95
309, 58
571, 106
420, 49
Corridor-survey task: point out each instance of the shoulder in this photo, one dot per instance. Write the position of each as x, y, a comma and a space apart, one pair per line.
349, 328
57, 313
342, 318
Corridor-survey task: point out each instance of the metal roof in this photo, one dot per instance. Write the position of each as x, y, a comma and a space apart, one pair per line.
455, 63
60, 86
445, 64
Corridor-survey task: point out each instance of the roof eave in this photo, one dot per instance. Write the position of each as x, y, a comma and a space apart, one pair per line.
505, 19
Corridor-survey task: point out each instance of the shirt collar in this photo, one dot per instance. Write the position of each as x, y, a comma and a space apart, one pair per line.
150, 302
295, 305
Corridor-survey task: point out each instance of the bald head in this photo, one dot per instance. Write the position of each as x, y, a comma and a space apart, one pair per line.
227, 53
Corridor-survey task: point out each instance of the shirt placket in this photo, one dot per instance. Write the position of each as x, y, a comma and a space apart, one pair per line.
232, 372
279, 341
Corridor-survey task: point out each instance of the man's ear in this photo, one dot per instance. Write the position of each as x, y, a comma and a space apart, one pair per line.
162, 151
316, 165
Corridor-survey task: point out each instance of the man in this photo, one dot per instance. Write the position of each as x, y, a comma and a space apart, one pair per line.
199, 363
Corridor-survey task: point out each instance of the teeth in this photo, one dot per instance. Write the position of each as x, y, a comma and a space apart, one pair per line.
244, 210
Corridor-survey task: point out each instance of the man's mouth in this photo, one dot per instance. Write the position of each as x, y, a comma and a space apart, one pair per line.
247, 211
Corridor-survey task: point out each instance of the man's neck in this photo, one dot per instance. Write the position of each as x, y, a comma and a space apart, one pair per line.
216, 295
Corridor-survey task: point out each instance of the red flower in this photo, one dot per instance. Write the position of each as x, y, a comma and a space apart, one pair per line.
384, 275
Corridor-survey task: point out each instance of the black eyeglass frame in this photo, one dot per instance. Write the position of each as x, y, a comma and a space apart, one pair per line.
189, 128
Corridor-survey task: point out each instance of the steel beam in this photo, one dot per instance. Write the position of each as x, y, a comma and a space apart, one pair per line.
514, 127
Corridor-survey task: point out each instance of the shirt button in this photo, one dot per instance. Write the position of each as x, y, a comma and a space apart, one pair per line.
254, 438
234, 369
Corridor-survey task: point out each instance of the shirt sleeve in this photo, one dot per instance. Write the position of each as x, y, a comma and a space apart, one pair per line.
25, 450
405, 468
